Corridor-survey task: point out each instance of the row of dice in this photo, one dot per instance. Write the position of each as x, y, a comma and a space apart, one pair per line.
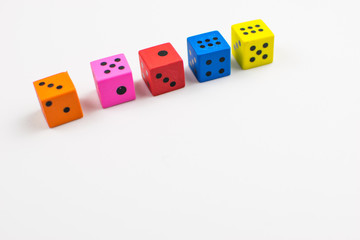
161, 68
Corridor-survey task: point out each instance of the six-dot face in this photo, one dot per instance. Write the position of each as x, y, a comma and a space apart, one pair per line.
252, 44
162, 69
209, 56
113, 80
58, 99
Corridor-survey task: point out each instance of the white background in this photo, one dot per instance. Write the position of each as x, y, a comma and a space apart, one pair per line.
267, 153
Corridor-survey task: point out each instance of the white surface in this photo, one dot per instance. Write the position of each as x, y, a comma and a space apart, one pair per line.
267, 153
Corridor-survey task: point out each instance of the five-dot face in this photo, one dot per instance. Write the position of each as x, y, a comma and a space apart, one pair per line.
112, 66
259, 53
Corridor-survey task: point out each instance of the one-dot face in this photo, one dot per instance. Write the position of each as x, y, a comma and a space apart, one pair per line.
162, 53
121, 90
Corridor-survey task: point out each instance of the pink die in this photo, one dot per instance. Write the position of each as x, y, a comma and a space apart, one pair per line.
113, 80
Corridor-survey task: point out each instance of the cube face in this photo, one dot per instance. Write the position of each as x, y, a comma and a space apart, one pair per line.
58, 99
209, 56
252, 44
162, 69
113, 80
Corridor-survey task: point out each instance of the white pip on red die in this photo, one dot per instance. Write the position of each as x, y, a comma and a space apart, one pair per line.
113, 80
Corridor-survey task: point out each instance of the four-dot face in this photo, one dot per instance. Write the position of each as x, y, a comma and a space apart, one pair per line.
162, 69
113, 80
209, 56
252, 44
58, 99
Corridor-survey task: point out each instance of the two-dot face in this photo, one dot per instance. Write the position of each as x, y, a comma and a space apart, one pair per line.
209, 56
58, 99
162, 69
252, 44
113, 80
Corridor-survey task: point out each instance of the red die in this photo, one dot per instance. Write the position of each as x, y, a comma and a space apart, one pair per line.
162, 69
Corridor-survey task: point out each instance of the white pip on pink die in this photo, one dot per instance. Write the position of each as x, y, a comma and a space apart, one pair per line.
113, 80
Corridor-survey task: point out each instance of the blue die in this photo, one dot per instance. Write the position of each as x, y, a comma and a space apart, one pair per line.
209, 56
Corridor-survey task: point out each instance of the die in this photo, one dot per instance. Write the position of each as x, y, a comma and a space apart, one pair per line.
113, 80
162, 69
209, 56
58, 99
252, 44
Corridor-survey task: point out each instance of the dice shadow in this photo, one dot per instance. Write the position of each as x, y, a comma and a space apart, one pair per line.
32, 123
190, 78
35, 122
90, 103
235, 67
141, 90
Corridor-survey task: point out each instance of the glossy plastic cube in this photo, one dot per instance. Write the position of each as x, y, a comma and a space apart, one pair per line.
209, 56
252, 44
113, 80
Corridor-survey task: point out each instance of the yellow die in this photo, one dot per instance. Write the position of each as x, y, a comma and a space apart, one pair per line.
252, 44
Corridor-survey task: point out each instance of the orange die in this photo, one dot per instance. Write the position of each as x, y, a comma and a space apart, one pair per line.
58, 99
